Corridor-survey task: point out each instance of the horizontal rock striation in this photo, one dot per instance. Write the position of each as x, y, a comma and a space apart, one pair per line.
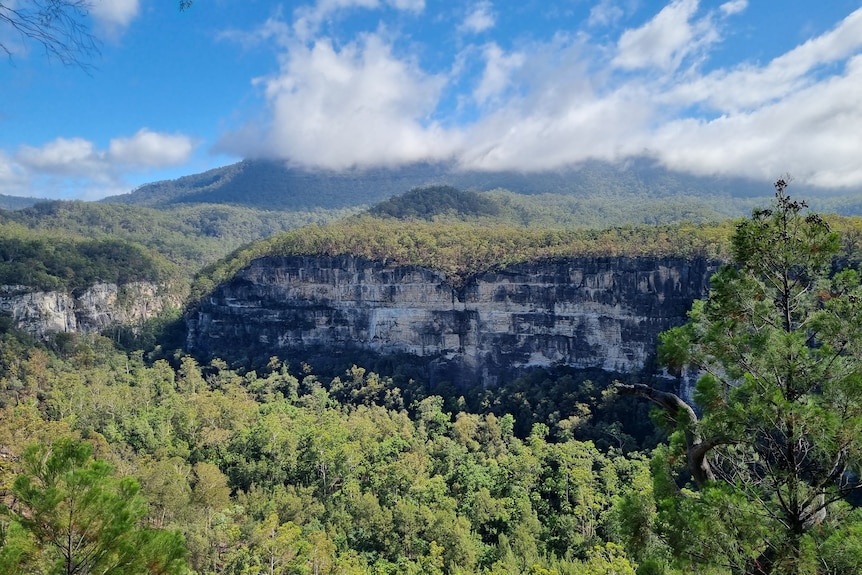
588, 313
88, 311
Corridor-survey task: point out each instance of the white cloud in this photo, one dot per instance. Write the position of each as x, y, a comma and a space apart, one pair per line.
546, 104
815, 133
12, 181
408, 5
74, 157
97, 172
750, 86
480, 18
358, 105
497, 74
664, 41
150, 149
307, 19
734, 7
547, 137
114, 14
605, 13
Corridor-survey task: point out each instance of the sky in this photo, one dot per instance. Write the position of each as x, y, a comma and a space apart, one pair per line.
756, 89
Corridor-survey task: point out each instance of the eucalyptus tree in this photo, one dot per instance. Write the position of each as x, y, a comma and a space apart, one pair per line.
774, 443
60, 27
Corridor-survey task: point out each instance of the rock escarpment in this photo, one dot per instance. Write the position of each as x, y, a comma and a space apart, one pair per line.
588, 313
91, 310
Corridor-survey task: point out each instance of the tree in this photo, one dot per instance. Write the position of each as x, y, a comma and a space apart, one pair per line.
59, 26
777, 444
71, 516
279, 545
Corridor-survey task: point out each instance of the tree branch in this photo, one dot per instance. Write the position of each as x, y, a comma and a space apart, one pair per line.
683, 415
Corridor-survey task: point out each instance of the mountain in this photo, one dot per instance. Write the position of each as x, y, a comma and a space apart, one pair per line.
274, 185
17, 202
591, 194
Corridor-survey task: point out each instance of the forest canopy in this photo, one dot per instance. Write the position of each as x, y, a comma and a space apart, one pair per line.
51, 261
287, 470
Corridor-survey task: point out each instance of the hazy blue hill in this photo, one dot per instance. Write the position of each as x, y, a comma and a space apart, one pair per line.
273, 185
17, 202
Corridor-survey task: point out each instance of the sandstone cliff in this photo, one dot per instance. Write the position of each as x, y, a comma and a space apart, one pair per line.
586, 313
89, 311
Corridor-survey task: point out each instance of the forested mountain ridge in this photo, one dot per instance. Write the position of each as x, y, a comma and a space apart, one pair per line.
191, 236
61, 261
273, 184
17, 202
461, 249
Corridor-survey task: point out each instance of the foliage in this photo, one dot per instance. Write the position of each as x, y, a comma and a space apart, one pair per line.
461, 250
285, 469
574, 404
776, 448
429, 202
59, 26
51, 261
188, 235
268, 473
71, 516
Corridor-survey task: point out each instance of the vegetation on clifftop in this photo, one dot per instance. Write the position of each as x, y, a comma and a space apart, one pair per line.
462, 250
52, 261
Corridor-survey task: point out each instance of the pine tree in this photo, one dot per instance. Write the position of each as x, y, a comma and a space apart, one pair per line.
71, 516
774, 445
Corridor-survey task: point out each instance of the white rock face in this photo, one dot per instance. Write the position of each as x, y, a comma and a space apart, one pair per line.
600, 313
92, 310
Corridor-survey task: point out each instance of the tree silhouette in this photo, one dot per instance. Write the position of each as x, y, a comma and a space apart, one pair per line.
61, 27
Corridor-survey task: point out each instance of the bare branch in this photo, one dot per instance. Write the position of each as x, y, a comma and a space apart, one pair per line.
60, 26
683, 415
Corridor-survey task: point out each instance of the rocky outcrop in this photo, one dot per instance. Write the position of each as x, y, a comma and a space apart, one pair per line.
90, 310
586, 313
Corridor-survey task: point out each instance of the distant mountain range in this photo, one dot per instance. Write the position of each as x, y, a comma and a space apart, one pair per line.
17, 202
601, 193
274, 185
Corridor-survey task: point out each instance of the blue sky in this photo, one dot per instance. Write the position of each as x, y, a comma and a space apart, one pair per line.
758, 89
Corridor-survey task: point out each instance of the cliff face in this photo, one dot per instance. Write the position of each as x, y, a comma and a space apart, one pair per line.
601, 313
89, 311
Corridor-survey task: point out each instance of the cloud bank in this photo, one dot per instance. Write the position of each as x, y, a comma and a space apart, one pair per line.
649, 90
365, 83
71, 164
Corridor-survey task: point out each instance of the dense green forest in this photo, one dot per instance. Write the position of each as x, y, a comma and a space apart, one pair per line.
195, 235
58, 261
190, 235
269, 470
144, 461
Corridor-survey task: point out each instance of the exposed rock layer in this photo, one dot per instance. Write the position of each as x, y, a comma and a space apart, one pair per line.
584, 312
91, 310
